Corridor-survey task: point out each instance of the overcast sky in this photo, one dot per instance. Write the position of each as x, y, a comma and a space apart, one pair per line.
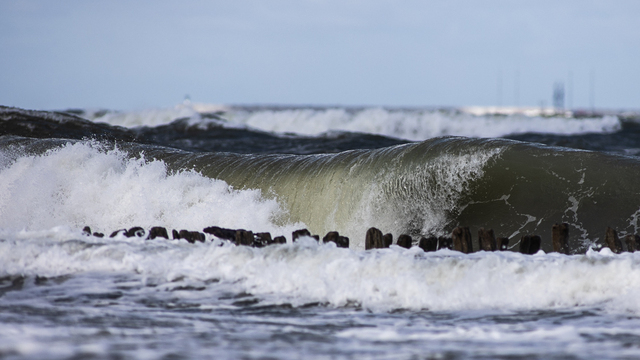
140, 54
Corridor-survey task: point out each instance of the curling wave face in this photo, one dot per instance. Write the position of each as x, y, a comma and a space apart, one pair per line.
420, 188
432, 186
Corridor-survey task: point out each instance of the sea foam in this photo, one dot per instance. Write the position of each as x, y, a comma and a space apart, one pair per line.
81, 184
379, 280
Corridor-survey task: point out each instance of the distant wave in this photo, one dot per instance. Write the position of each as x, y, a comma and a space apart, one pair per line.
414, 125
417, 125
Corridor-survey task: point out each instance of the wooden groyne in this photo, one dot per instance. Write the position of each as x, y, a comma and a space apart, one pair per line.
237, 236
460, 239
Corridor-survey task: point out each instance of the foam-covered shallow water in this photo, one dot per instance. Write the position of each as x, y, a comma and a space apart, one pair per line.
67, 295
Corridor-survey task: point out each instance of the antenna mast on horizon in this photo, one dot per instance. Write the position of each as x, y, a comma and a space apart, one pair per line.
558, 95
592, 90
570, 91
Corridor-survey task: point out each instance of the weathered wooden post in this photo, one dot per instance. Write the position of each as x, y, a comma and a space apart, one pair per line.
387, 240
262, 239
461, 237
445, 242
502, 243
244, 237
428, 243
190, 236
560, 237
221, 233
332, 236
135, 231
612, 241
530, 244
486, 239
157, 231
373, 239
632, 242
121, 231
404, 241
299, 233
535, 244
279, 240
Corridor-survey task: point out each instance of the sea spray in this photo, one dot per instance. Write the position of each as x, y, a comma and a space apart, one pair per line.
85, 183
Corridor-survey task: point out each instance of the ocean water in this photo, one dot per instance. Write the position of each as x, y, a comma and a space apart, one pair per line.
65, 294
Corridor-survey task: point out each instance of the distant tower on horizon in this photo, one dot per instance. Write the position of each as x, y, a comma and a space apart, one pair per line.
558, 95
516, 88
499, 88
592, 90
570, 91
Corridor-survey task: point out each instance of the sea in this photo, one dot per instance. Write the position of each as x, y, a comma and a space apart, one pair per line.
68, 292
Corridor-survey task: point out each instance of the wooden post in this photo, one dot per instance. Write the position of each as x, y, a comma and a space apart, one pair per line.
428, 244
560, 236
136, 231
530, 244
632, 242
612, 241
121, 231
502, 243
299, 233
332, 236
404, 241
157, 231
445, 242
387, 240
221, 233
373, 239
461, 237
190, 236
486, 239
244, 237
534, 244
343, 242
262, 239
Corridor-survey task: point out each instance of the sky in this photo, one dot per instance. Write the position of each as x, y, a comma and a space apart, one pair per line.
126, 55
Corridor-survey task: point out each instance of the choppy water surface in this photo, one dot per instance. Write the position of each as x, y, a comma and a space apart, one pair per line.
131, 298
67, 295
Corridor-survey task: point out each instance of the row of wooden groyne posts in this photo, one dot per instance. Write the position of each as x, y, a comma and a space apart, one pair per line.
460, 239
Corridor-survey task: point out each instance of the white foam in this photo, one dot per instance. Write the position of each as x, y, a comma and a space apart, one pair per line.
379, 280
79, 185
